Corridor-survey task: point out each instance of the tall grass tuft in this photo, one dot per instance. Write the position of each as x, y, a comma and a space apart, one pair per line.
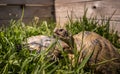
101, 27
17, 59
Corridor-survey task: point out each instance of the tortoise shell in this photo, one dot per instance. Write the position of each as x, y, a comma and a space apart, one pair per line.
42, 42
87, 42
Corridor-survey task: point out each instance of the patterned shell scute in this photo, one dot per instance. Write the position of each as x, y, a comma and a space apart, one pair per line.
39, 42
42, 42
103, 50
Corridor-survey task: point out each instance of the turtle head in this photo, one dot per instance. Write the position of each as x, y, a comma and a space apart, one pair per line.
61, 34
64, 35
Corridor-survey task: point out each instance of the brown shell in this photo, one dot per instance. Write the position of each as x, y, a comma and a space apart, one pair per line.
42, 42
88, 42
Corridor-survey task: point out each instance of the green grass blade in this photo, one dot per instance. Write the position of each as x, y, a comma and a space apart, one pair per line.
83, 63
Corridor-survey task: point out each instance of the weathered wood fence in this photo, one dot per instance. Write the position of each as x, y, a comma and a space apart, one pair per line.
12, 9
95, 8
59, 10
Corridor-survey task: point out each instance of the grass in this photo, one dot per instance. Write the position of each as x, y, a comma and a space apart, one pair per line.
14, 60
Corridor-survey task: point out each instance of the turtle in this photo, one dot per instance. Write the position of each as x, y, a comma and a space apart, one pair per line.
87, 42
42, 42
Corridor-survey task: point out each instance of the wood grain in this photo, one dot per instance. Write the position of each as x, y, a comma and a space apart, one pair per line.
26, 2
13, 9
14, 12
27, 21
95, 8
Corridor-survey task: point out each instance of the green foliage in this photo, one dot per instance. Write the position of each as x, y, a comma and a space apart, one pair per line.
99, 26
17, 60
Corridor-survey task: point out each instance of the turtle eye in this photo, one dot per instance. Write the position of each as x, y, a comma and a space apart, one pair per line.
61, 30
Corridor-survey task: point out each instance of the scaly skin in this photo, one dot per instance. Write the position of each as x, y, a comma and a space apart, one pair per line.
88, 42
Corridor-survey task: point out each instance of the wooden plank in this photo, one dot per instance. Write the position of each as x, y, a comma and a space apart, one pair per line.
26, 1
4, 22
25, 20
15, 12
72, 1
115, 25
95, 8
98, 8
